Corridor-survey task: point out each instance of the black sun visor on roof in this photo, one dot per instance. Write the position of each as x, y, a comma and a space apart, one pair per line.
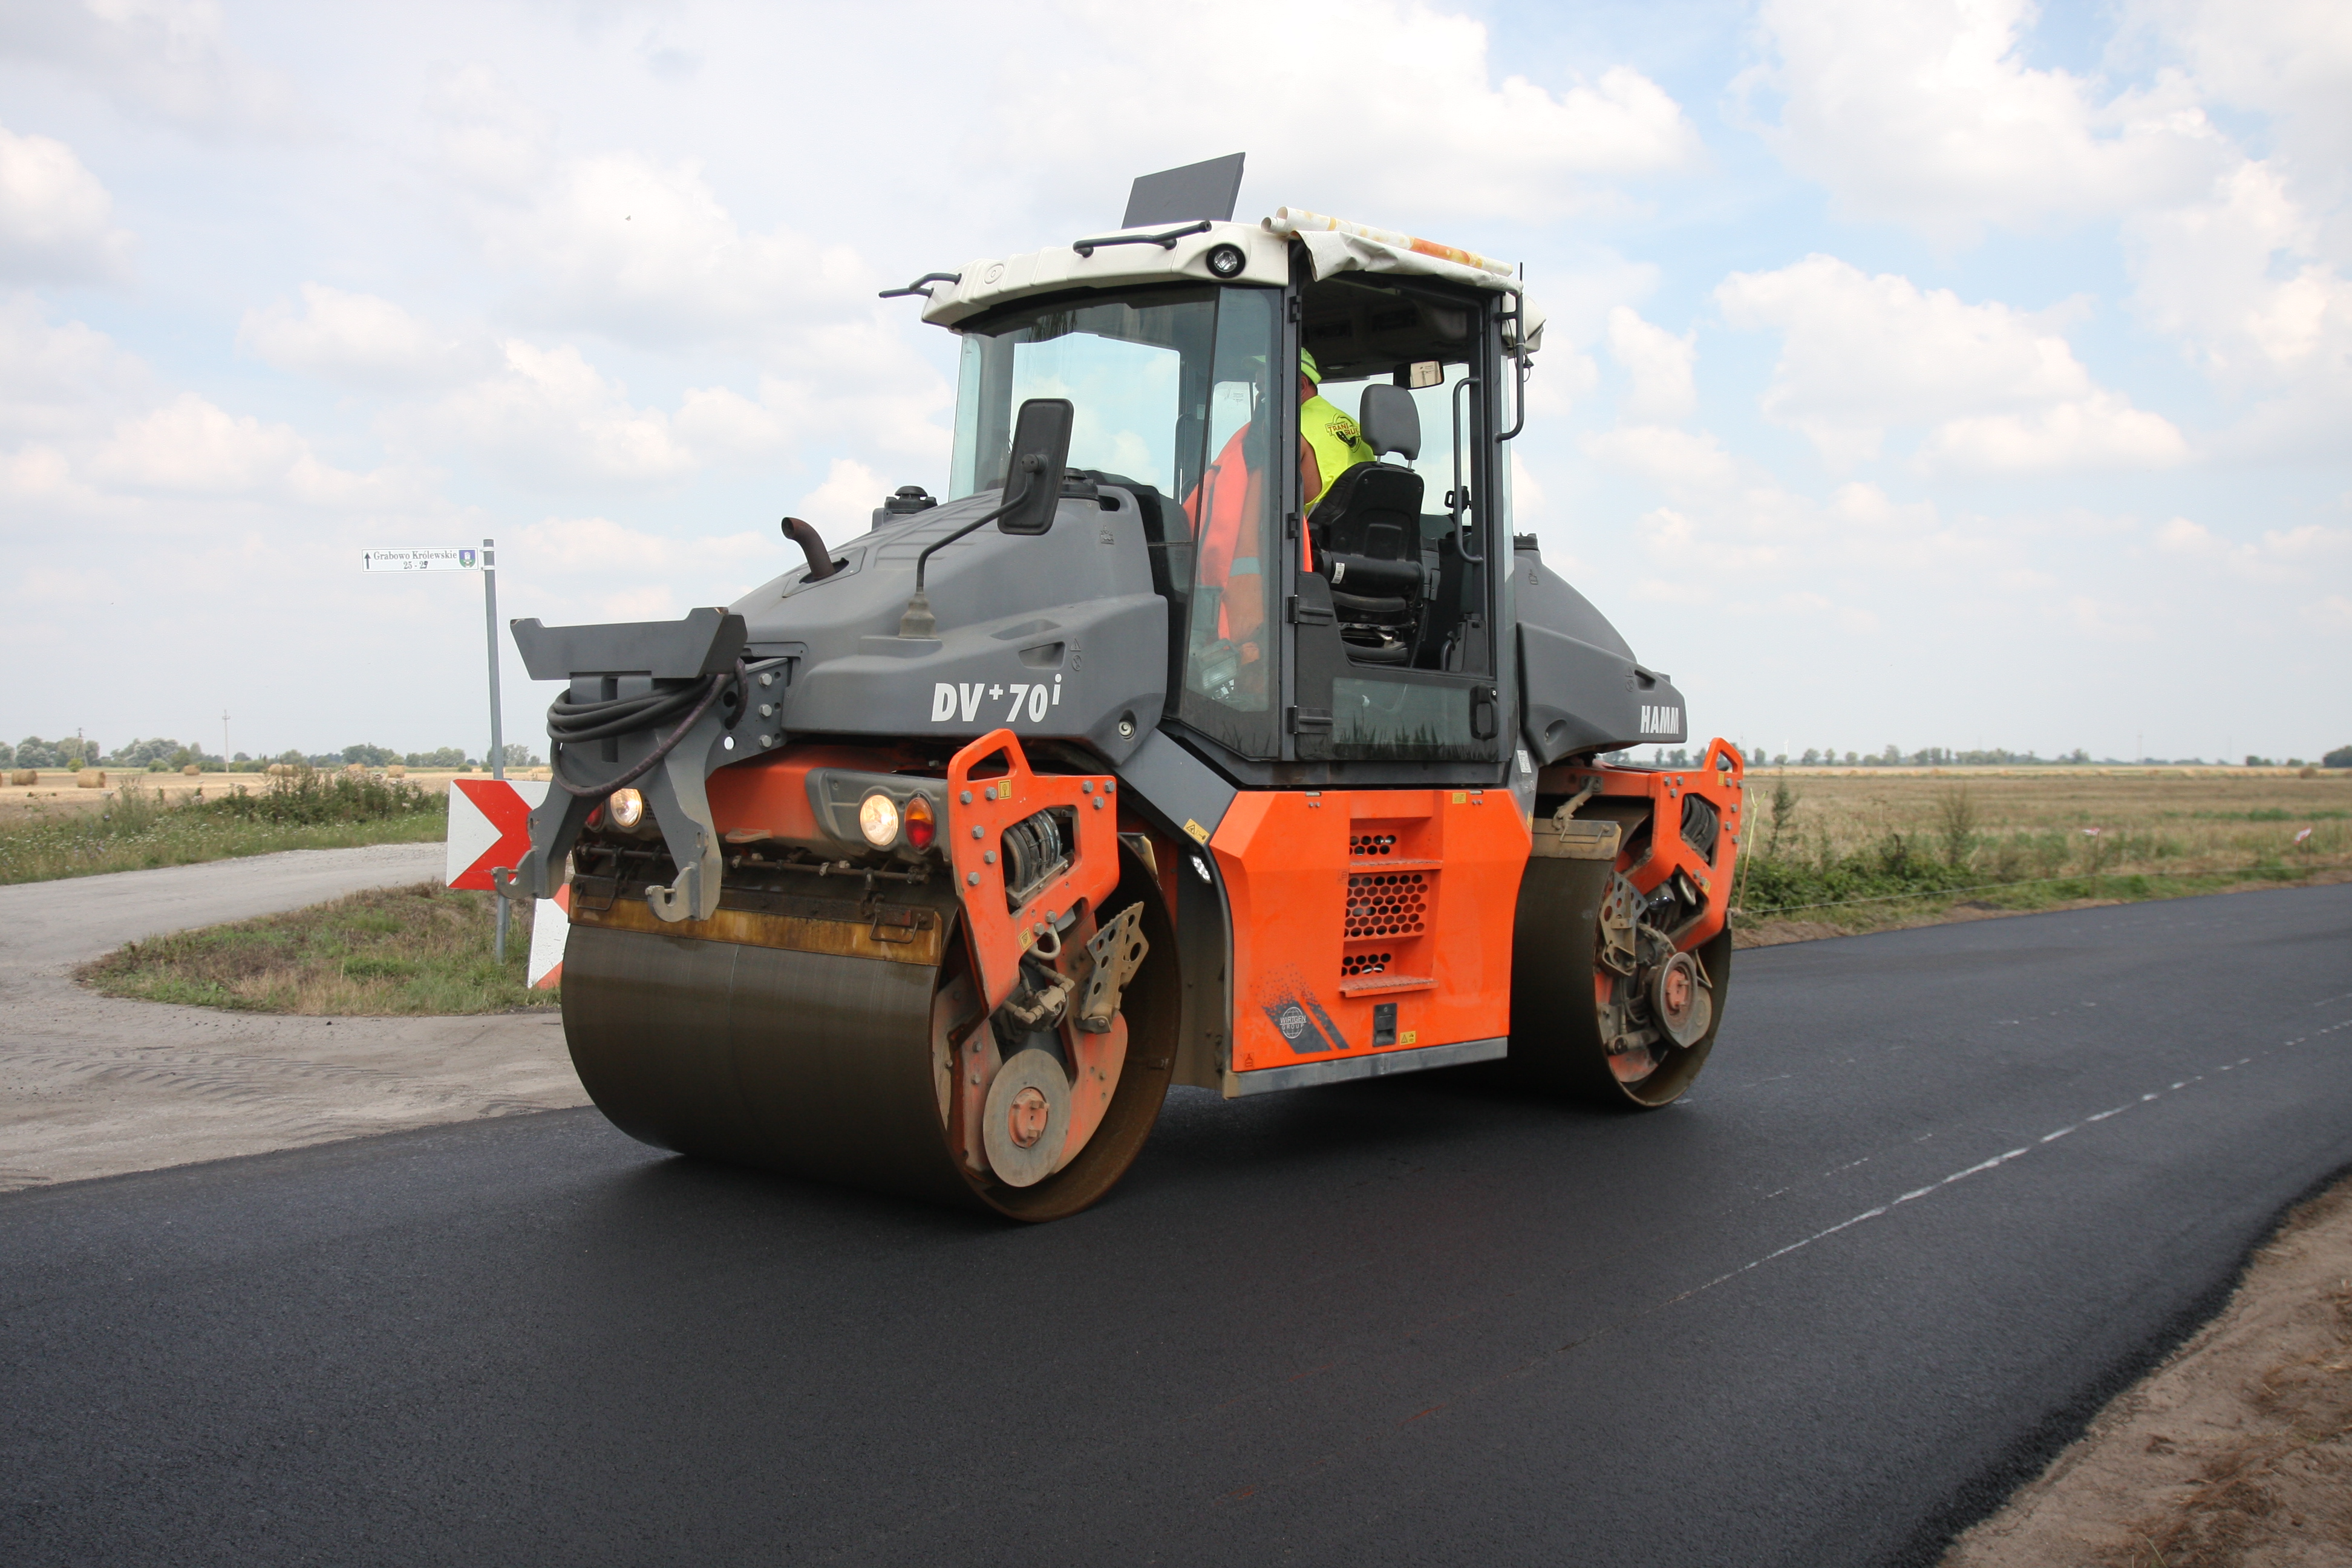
1206, 190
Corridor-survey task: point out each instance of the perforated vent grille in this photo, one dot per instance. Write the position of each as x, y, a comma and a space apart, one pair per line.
1357, 964
1363, 844
1385, 903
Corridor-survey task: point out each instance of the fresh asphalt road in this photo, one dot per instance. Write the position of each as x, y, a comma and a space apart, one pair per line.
1939, 1194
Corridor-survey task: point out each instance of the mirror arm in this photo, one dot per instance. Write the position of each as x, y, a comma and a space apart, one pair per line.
917, 620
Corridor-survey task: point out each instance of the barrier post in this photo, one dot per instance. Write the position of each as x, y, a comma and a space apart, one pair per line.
498, 740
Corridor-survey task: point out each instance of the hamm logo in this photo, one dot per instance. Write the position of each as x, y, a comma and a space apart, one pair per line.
1662, 720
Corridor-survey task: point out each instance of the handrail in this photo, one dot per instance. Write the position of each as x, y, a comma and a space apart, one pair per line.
1165, 240
917, 286
1457, 499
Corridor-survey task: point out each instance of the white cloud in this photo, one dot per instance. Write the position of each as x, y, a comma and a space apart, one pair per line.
2280, 556
62, 379
548, 418
357, 338
2288, 60
646, 253
163, 59
2101, 431
57, 222
2001, 390
596, 569
1388, 111
192, 446
599, 547
842, 506
1659, 364
1676, 460
1924, 113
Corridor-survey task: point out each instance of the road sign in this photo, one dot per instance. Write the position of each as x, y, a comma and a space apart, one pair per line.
455, 558
489, 825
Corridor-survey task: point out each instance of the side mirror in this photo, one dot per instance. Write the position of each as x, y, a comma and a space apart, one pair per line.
1033, 482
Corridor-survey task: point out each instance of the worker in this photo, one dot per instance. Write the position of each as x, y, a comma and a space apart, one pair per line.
1228, 512
1330, 443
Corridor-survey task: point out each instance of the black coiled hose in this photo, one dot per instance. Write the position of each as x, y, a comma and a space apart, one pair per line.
571, 723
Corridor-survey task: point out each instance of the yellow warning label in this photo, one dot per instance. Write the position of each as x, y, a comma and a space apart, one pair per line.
1199, 833
1409, 1037
1461, 797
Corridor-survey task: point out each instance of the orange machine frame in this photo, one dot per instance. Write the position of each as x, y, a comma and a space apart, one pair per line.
1718, 780
1347, 903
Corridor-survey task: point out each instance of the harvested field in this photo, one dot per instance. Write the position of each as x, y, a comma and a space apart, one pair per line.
136, 829
393, 952
1864, 849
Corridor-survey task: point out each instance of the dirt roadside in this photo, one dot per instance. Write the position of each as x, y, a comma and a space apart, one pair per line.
2238, 1450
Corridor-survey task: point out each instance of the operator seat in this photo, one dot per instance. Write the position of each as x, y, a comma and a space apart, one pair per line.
1367, 534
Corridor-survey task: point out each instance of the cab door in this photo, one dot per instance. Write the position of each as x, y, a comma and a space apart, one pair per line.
1384, 678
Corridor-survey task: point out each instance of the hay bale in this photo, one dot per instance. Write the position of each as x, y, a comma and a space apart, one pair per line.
25, 777
191, 771
91, 778
281, 770
398, 769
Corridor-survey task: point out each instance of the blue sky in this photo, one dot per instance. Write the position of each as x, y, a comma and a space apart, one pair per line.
1927, 374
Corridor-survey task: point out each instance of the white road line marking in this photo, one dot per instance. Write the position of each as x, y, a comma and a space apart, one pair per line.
1982, 1165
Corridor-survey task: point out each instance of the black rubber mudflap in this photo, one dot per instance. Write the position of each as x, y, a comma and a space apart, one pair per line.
813, 1063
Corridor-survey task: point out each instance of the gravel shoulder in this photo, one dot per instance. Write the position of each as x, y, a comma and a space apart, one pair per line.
90, 1086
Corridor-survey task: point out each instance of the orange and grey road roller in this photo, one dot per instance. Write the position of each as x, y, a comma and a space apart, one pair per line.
1212, 728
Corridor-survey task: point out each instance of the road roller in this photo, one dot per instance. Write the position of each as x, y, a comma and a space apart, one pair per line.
1211, 726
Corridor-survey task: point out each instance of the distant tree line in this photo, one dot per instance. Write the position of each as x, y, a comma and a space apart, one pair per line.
1945, 757
161, 755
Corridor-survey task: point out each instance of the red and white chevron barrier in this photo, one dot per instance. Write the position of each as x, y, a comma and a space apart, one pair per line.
489, 826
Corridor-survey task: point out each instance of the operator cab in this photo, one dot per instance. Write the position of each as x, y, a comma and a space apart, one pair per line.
1353, 632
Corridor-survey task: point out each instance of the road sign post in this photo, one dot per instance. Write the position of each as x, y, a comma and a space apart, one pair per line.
498, 740
460, 558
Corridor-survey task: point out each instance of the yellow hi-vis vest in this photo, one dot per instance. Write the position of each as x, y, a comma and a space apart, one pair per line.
1334, 439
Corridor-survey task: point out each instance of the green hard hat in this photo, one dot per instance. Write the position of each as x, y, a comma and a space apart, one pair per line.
1308, 367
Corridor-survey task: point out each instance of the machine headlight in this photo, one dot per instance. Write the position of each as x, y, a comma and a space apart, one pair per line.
628, 807
1227, 261
877, 818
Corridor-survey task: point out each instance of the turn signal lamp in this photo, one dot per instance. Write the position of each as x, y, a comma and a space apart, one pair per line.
628, 807
920, 826
877, 818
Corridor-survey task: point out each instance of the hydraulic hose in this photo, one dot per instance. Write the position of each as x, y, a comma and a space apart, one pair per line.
572, 723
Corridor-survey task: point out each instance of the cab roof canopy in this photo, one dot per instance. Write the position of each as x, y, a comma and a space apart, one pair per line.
1176, 218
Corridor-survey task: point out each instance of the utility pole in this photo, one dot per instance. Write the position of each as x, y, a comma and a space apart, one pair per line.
223, 739
497, 741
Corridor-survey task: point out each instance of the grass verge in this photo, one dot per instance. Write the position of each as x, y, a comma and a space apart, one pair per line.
133, 830
388, 952
1768, 926
1829, 855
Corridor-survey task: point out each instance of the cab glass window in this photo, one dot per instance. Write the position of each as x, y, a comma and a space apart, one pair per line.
1172, 398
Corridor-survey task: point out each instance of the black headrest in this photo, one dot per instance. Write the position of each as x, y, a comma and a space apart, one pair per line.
1391, 421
